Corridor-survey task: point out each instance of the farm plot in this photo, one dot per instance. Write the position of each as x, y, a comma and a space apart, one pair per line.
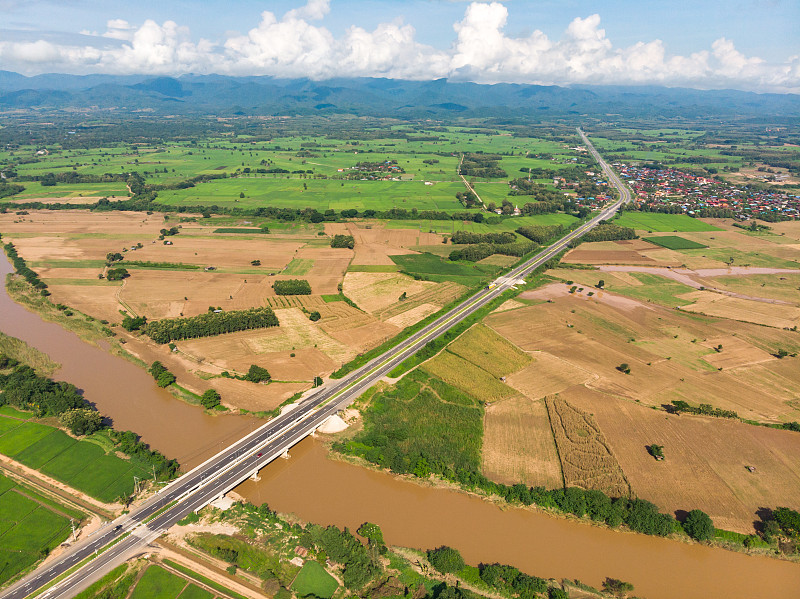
734, 308
586, 458
487, 350
518, 444
376, 291
705, 465
314, 580
666, 350
673, 242
30, 525
654, 222
82, 464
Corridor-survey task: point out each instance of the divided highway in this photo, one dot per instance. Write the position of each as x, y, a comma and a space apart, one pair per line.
124, 537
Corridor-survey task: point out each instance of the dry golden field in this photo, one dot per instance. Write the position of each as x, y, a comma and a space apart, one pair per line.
705, 459
586, 458
518, 444
68, 249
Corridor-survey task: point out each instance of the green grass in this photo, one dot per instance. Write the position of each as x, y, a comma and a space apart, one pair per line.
28, 528
206, 581
505, 224
195, 592
740, 258
19, 350
298, 266
655, 288
241, 230
434, 268
673, 242
314, 580
373, 268
14, 413
425, 422
662, 223
81, 464
321, 194
157, 583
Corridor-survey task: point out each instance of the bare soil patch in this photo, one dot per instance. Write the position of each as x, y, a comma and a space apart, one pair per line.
714, 304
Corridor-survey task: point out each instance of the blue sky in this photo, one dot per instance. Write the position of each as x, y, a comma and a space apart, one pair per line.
746, 44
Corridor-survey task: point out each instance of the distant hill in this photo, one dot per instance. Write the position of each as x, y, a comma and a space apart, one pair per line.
217, 94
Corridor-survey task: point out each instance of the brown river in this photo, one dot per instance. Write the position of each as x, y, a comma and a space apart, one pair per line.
326, 491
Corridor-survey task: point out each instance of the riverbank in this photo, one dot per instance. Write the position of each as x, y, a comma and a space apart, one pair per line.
434, 482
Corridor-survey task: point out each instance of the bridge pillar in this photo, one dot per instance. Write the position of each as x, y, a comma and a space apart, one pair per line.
255, 477
285, 455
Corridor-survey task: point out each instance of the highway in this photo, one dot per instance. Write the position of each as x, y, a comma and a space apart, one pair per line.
124, 537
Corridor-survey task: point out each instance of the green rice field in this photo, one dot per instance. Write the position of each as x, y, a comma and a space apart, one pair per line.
673, 242
30, 526
663, 223
83, 465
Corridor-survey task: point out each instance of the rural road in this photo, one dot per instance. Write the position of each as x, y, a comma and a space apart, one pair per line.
126, 536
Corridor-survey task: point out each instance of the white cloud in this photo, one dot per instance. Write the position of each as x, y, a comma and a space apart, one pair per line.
296, 45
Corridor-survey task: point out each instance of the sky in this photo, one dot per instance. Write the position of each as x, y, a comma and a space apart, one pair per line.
708, 44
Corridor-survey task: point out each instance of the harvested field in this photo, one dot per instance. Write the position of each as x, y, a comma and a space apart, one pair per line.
295, 332
664, 348
735, 353
99, 301
412, 316
499, 260
365, 337
375, 245
714, 304
376, 291
586, 458
440, 295
509, 305
254, 397
590, 255
706, 459
518, 444
167, 294
466, 376
548, 375
489, 351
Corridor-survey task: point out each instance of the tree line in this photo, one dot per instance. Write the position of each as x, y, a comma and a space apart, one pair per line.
463, 237
541, 233
609, 232
209, 324
21, 267
479, 251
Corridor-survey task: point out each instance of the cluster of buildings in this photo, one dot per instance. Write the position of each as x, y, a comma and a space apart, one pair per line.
658, 188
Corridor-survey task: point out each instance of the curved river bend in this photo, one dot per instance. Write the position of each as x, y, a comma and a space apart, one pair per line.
326, 491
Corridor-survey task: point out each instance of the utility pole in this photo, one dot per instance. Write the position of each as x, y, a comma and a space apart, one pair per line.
72, 524
136, 482
154, 474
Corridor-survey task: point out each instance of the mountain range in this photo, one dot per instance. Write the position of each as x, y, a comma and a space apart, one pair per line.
224, 95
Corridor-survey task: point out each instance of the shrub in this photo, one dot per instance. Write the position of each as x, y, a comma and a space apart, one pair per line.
81, 421
698, 525
133, 324
446, 559
117, 274
210, 399
292, 287
163, 377
257, 374
343, 241
314, 316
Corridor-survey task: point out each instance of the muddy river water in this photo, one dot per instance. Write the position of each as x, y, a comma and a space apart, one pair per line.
327, 491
